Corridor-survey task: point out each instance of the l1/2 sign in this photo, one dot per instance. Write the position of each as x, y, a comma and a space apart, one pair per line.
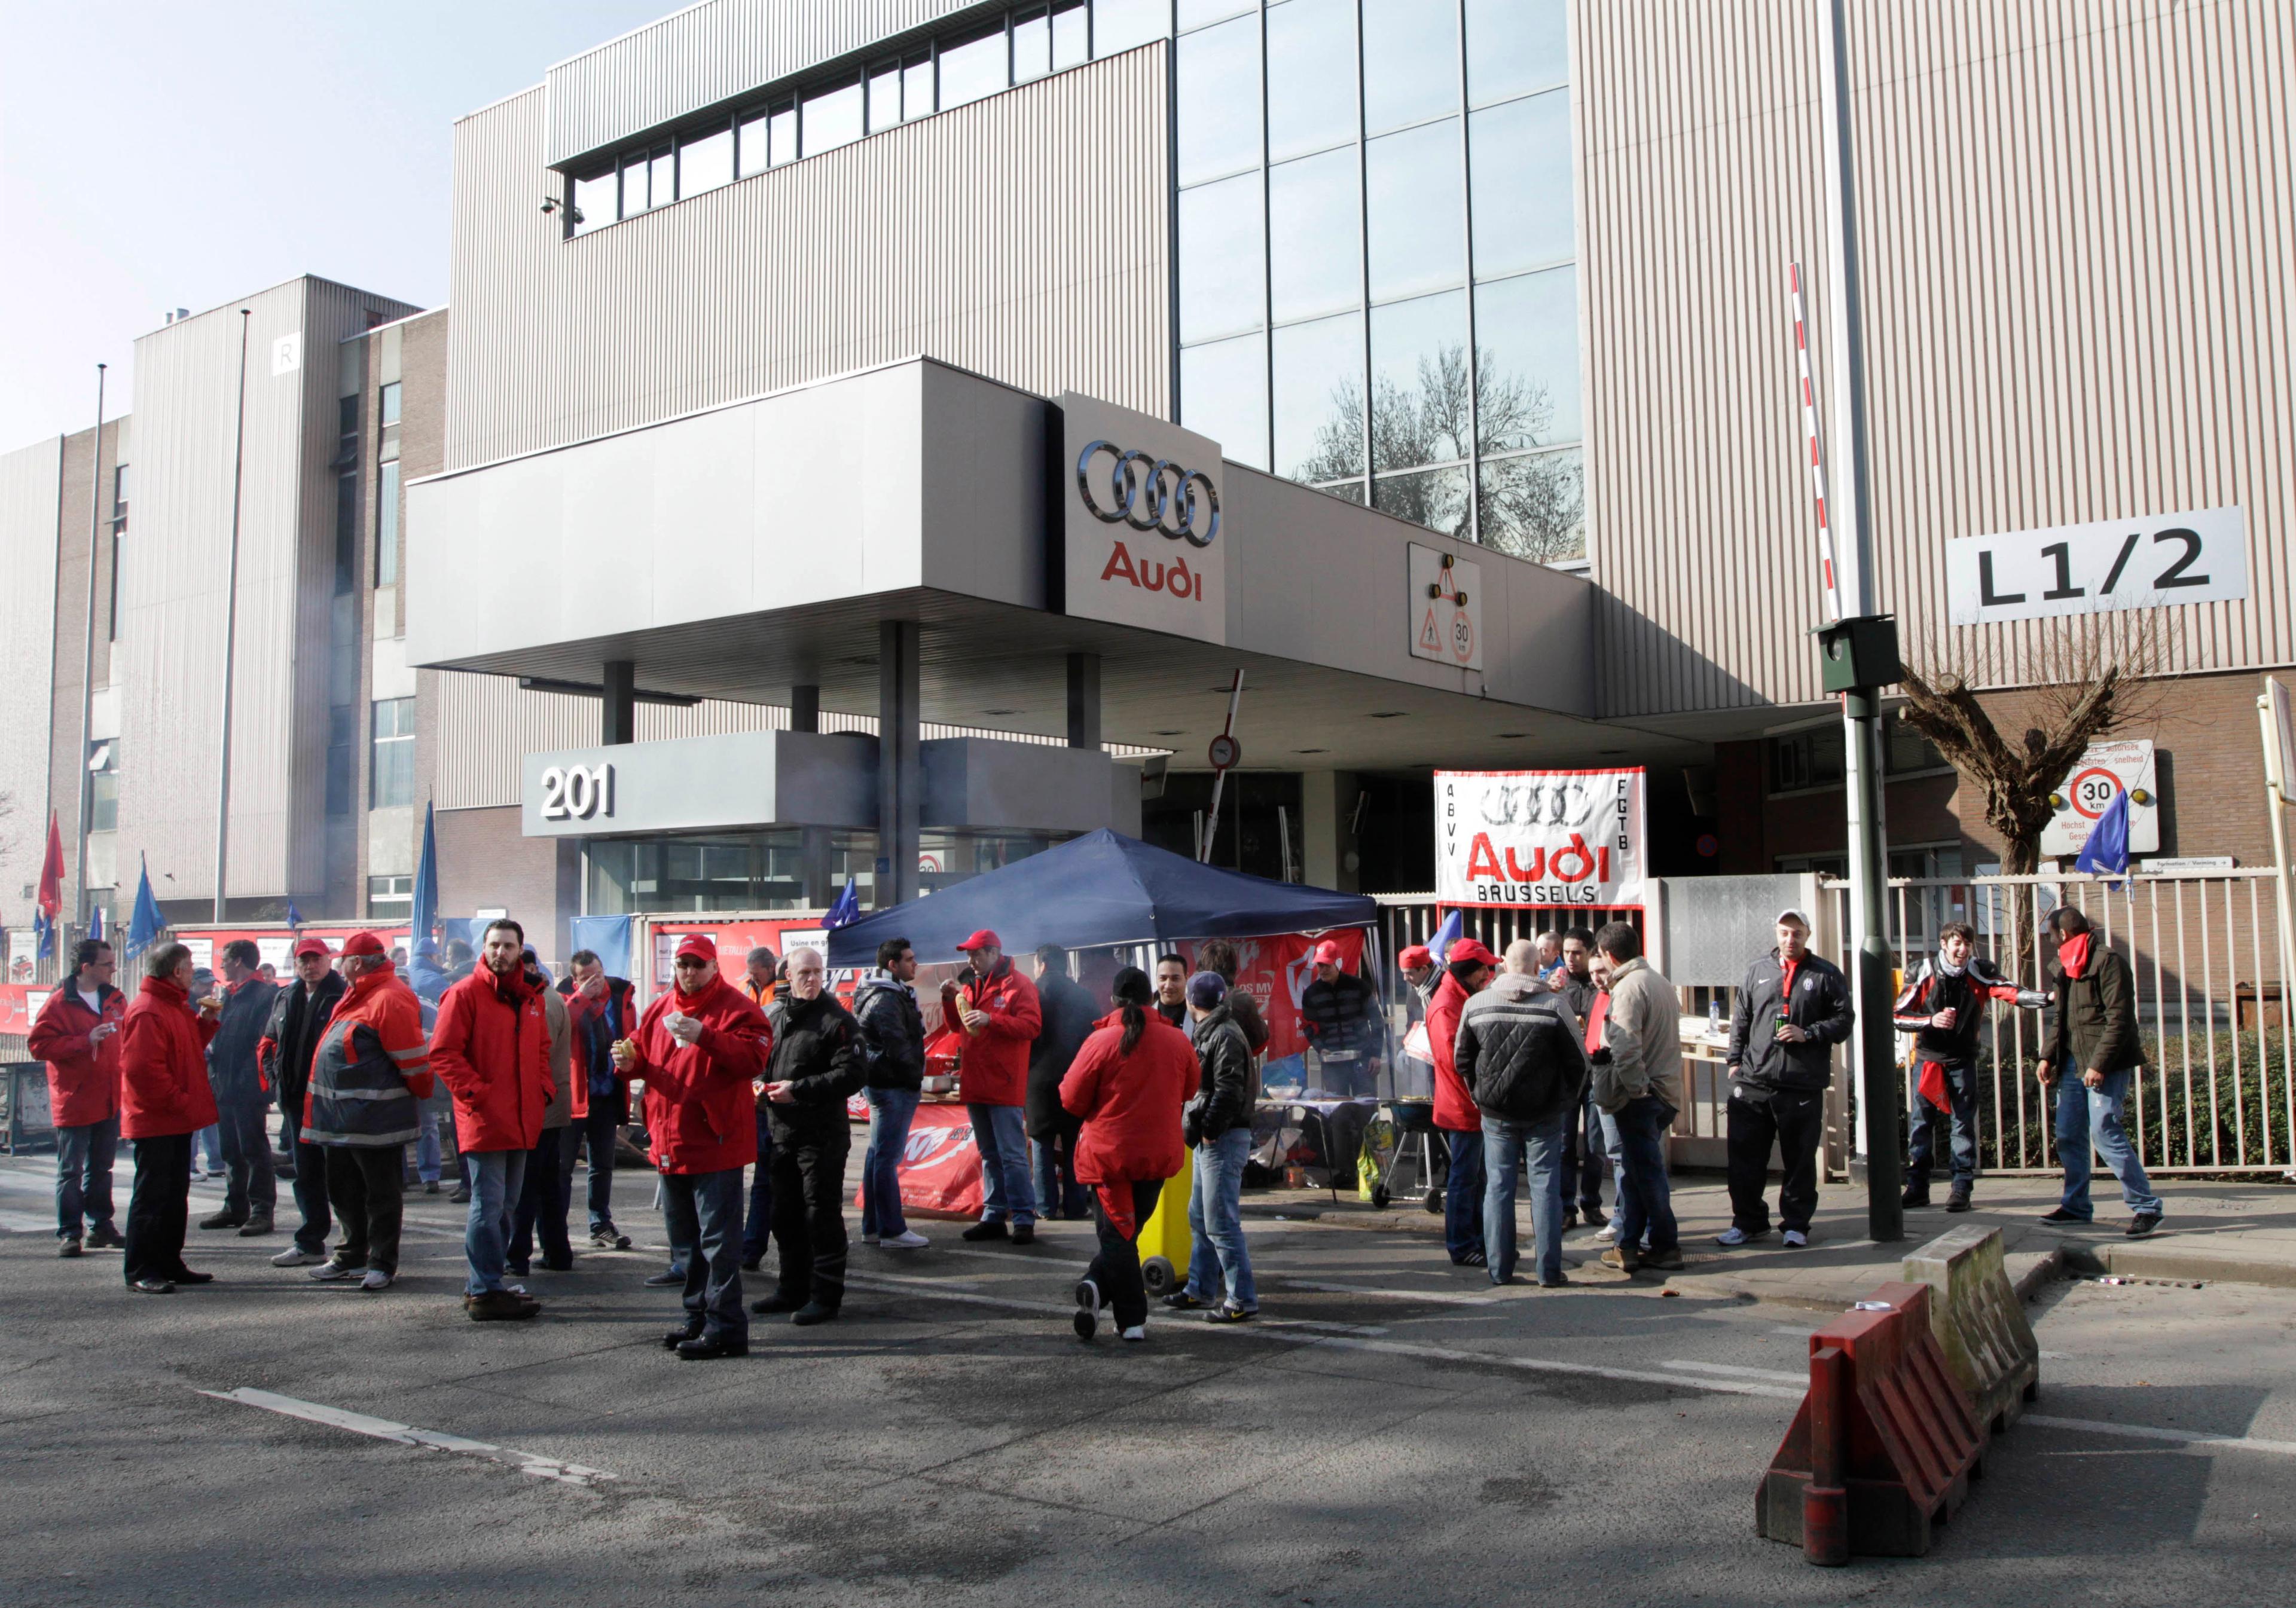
2192, 557
1539, 839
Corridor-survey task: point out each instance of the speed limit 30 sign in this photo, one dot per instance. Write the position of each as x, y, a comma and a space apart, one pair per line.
2101, 775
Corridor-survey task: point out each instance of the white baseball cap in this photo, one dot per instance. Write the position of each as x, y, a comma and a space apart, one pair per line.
1791, 914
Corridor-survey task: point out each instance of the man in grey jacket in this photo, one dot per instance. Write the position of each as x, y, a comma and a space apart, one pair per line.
1637, 1048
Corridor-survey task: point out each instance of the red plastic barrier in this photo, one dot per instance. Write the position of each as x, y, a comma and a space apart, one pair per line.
1886, 1441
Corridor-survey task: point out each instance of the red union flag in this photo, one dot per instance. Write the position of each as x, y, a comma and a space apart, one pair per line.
1535, 840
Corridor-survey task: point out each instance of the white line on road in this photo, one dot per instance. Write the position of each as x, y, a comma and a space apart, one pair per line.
1448, 1297
1799, 1380
383, 1429
950, 1289
2145, 1432
24, 1222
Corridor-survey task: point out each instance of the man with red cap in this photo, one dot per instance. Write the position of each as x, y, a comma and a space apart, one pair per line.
1000, 1016
1467, 968
369, 1076
698, 1047
299, 1018
1417, 965
491, 1047
77, 1034
1340, 1016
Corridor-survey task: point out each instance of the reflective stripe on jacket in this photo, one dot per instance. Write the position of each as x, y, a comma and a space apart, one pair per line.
372, 1068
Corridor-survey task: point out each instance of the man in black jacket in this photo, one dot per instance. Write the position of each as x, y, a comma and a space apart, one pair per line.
609, 1010
2092, 1053
298, 1022
1521, 1052
1943, 1007
815, 1064
1591, 1154
893, 1054
241, 1094
1217, 1124
1337, 1013
1792, 1009
1069, 1015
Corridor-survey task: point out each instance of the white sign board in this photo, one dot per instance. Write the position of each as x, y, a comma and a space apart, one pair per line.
203, 948
286, 354
2191, 557
1139, 521
2102, 773
1446, 609
24, 953
1535, 839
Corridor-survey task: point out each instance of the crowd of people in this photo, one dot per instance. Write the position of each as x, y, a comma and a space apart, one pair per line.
1554, 1066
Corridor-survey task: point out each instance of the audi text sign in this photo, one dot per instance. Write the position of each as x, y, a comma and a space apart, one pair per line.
2143, 563
1539, 839
1141, 522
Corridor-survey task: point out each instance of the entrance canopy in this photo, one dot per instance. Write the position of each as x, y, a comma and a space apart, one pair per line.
1103, 888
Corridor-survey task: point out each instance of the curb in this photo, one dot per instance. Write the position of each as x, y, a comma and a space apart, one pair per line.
2026, 1282
2143, 1260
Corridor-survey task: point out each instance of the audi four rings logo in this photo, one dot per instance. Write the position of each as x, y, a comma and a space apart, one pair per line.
1150, 494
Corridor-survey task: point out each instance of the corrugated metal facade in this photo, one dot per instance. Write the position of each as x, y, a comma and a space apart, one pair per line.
2078, 233
708, 53
1022, 236
31, 479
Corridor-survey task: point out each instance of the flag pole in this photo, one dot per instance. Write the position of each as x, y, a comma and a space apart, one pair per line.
88, 654
230, 632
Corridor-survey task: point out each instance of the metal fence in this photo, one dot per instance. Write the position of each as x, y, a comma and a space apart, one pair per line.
2218, 1090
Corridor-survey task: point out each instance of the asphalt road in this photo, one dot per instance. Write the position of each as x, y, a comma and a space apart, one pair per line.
1393, 1431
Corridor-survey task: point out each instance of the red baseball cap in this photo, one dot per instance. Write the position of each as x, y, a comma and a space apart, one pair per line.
1469, 949
983, 939
698, 944
1327, 952
361, 944
311, 946
1415, 957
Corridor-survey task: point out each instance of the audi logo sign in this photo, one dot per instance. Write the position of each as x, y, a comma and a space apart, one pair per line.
1127, 479
1149, 494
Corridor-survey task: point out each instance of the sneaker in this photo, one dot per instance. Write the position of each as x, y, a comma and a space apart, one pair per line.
1088, 1312
1024, 1233
223, 1220
1733, 1237
1794, 1239
2063, 1216
332, 1272
68, 1248
376, 1279
611, 1238
1668, 1260
1592, 1216
1610, 1230
1473, 1259
1624, 1261
1958, 1201
870, 1236
709, 1348
986, 1231
1229, 1312
907, 1239
2141, 1224
1180, 1301
811, 1313
1138, 1332
253, 1227
667, 1279
295, 1256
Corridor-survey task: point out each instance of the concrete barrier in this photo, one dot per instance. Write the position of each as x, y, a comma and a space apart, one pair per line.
1979, 1324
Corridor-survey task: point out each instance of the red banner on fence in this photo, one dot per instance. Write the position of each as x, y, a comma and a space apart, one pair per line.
1276, 971
940, 1168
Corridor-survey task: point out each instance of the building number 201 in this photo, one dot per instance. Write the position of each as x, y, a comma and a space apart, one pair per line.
577, 791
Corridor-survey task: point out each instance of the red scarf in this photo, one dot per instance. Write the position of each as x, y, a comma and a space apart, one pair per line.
2072, 954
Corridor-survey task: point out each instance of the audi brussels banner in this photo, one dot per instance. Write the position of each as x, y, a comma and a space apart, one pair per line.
1139, 522
1539, 839
940, 1169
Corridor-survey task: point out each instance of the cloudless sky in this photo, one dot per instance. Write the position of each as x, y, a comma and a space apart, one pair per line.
178, 153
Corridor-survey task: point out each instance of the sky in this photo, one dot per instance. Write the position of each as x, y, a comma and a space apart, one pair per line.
180, 154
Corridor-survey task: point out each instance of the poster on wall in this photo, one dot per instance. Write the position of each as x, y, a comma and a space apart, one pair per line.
1539, 839
24, 954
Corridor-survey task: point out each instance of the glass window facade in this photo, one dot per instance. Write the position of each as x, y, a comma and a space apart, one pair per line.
761, 870
705, 161
1418, 251
386, 525
392, 772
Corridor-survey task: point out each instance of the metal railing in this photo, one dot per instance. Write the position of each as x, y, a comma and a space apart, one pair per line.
2218, 1090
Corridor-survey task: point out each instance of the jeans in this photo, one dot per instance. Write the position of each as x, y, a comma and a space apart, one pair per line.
1001, 1134
429, 1159
1591, 1145
2089, 1116
809, 1215
1462, 1194
703, 1210
1637, 1134
1791, 1118
1217, 1223
366, 1185
159, 1210
1961, 1096
85, 1154
760, 1222
1053, 1167
209, 1140
497, 1177
890, 1113
311, 1202
600, 1131
541, 1210
1116, 1265
1507, 1144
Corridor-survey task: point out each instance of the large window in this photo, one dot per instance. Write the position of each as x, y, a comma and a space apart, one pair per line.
119, 532
346, 531
386, 525
390, 896
392, 767
1422, 302
387, 404
104, 787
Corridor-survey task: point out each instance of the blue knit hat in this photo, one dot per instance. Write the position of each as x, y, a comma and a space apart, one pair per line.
1207, 990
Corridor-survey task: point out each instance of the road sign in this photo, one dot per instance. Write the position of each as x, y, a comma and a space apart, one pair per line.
1446, 608
2102, 774
2143, 563
1225, 752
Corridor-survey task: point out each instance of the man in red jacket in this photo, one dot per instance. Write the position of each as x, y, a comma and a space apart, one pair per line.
77, 1034
164, 1099
491, 1047
697, 1048
1467, 968
1001, 1016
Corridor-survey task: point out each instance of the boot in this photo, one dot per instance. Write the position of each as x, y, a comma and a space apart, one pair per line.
1917, 1193
1958, 1201
224, 1219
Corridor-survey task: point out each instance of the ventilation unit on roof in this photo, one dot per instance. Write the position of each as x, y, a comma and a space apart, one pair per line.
178, 312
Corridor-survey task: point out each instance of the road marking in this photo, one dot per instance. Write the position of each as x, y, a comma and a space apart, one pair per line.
383, 1429
1447, 1297
1730, 1371
2145, 1432
24, 1222
941, 1288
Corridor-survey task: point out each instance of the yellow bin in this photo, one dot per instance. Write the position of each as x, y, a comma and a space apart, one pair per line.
1165, 1243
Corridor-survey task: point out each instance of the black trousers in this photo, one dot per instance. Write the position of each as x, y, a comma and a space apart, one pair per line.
367, 1185
543, 1200
1116, 1267
1795, 1119
809, 1173
310, 1176
159, 1211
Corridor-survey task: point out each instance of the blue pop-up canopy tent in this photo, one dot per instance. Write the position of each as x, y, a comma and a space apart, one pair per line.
1101, 889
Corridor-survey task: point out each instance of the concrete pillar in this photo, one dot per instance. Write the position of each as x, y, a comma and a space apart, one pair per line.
1327, 799
1084, 700
901, 768
619, 707
805, 709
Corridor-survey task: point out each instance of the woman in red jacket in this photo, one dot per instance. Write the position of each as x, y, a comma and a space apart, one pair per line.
164, 1099
1128, 1084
